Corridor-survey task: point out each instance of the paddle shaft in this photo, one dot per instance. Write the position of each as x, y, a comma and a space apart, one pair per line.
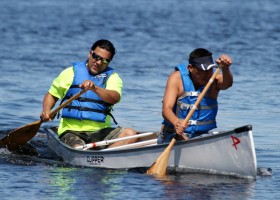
201, 95
67, 102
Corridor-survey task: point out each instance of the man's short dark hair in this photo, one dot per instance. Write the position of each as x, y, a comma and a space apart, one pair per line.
104, 44
199, 52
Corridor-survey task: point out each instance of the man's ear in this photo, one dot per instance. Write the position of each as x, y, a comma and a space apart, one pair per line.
190, 67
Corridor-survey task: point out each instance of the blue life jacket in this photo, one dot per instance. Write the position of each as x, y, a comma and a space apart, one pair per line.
204, 117
89, 105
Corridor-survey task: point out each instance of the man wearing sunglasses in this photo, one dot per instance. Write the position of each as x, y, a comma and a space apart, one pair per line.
88, 118
182, 90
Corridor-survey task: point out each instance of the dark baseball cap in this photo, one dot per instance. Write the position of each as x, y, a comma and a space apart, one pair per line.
204, 63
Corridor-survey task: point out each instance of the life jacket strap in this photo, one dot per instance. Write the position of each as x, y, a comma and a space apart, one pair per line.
81, 108
107, 112
83, 99
195, 122
186, 107
189, 94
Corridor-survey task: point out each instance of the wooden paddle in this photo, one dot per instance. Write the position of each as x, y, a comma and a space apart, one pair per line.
160, 165
18, 137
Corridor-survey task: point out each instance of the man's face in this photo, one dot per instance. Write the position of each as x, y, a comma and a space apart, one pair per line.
200, 77
98, 60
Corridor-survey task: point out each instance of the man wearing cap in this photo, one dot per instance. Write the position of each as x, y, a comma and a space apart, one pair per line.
182, 89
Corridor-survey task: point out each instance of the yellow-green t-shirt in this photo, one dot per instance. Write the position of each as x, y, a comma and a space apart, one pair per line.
60, 87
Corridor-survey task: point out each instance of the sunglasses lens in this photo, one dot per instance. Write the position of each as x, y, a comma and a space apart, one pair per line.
97, 58
105, 61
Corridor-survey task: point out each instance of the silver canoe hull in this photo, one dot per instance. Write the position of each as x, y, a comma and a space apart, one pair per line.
229, 153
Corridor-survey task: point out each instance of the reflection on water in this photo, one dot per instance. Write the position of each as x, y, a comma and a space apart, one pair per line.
118, 184
198, 186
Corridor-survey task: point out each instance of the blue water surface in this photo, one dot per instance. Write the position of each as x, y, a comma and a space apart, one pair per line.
41, 38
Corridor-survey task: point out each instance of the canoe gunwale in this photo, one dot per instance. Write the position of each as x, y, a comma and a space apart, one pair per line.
157, 146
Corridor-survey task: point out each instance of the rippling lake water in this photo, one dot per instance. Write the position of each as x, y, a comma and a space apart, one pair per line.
41, 38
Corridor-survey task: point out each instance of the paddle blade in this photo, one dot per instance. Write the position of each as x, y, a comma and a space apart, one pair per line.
159, 167
18, 137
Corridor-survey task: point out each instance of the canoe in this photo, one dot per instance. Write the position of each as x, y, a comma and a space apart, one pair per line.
229, 153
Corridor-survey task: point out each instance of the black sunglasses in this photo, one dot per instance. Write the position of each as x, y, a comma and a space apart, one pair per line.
97, 57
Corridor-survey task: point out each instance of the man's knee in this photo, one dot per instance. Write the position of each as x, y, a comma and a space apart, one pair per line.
129, 132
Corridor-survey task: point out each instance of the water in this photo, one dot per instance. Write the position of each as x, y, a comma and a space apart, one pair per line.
40, 38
